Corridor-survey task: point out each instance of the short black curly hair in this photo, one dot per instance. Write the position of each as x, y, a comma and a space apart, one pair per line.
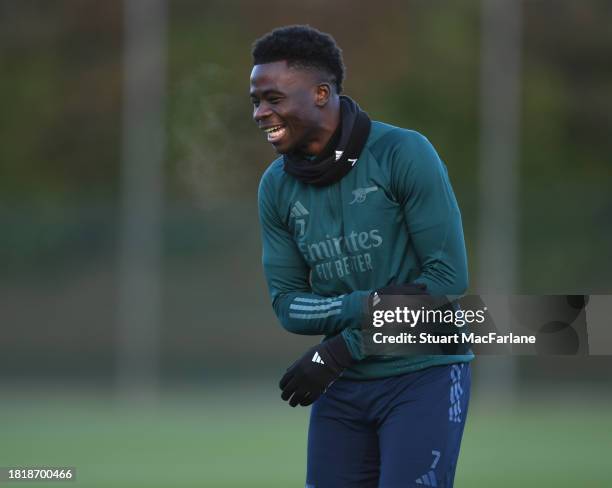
304, 47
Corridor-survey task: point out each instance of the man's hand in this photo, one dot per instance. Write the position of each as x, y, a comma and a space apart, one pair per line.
309, 377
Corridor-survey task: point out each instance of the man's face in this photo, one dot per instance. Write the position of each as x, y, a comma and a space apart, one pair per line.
285, 105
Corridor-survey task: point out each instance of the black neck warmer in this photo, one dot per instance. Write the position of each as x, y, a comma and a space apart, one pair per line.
340, 153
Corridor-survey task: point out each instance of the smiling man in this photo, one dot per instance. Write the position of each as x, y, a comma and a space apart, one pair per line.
352, 207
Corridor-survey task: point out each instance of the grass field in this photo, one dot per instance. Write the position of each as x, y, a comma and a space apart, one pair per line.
246, 437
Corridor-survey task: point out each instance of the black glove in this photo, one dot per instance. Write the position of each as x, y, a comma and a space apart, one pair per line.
309, 377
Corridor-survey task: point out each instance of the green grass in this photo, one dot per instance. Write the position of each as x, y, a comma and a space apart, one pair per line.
248, 437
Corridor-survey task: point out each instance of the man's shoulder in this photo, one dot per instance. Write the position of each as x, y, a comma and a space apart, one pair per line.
273, 173
274, 169
383, 134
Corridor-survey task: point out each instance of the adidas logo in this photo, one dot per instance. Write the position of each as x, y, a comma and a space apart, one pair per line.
317, 358
298, 210
339, 155
428, 479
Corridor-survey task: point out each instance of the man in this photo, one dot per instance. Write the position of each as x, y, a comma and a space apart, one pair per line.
353, 206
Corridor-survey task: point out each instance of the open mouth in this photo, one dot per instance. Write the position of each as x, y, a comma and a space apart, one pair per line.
275, 133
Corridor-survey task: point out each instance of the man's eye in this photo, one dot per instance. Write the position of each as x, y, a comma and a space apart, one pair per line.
274, 101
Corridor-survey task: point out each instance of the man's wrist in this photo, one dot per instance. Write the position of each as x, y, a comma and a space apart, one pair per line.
356, 307
337, 348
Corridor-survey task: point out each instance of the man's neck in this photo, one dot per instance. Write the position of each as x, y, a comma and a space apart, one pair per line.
327, 129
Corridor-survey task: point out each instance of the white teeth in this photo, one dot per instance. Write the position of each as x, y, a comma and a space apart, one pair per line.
273, 129
276, 134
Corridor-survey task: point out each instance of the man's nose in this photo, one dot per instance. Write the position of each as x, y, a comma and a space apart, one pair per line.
261, 112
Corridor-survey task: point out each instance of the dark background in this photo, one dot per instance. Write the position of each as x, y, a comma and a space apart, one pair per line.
415, 64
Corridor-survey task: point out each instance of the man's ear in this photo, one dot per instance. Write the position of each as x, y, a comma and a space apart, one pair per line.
323, 94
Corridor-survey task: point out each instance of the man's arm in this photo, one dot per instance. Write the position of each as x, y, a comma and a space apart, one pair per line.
420, 182
299, 309
432, 216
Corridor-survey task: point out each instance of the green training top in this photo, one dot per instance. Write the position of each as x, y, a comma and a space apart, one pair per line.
392, 218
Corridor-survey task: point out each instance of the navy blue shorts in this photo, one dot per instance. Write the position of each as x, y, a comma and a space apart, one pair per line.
398, 432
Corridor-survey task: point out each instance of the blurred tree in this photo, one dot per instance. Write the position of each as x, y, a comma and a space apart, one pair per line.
60, 94
414, 64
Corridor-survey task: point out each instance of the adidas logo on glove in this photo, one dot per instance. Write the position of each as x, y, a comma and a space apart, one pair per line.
317, 359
